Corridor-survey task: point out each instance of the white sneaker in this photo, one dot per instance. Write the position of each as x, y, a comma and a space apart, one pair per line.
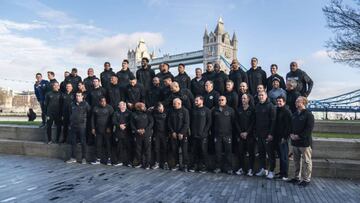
270, 175
285, 178
71, 160
250, 172
262, 172
239, 172
96, 162
118, 164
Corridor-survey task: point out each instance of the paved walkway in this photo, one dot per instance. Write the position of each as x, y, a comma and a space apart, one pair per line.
31, 179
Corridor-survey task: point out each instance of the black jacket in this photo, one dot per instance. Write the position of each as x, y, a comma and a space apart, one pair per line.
270, 80
211, 99
256, 77
53, 104
220, 82
74, 80
121, 118
66, 101
88, 82
162, 75
283, 124
134, 94
179, 121
124, 77
145, 76
200, 122
141, 120
291, 97
95, 96
304, 82
165, 94
185, 95
223, 121
79, 114
198, 87
153, 96
105, 78
160, 122
245, 120
265, 117
183, 80
101, 118
232, 99
209, 75
238, 76
115, 94
303, 124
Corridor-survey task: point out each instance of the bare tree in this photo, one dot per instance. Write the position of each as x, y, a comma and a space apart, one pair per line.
344, 20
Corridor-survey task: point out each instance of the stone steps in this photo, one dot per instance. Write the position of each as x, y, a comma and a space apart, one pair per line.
331, 157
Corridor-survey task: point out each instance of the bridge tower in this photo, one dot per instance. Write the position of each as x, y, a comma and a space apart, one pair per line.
135, 56
218, 44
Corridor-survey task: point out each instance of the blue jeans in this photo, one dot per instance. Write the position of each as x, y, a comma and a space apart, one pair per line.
284, 159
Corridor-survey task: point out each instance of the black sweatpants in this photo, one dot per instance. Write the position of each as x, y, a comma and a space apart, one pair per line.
269, 149
143, 149
199, 151
51, 119
180, 144
66, 125
161, 147
78, 132
223, 143
247, 145
103, 144
123, 147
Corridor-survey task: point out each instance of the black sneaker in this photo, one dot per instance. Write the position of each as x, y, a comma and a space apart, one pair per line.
294, 181
303, 183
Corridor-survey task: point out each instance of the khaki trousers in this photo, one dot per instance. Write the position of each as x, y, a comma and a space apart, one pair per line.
303, 163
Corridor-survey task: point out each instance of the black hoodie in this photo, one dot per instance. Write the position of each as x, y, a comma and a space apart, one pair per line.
105, 78
265, 117
256, 77
124, 77
200, 122
183, 80
145, 77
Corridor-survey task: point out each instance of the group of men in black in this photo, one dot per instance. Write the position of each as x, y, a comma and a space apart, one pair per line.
174, 122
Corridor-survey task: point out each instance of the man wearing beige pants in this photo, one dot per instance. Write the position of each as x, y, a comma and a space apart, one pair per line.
301, 140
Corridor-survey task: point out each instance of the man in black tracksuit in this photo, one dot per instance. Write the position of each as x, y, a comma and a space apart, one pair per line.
211, 96
52, 106
304, 82
124, 74
245, 120
122, 136
200, 127
273, 70
67, 99
178, 124
210, 73
74, 79
160, 136
101, 125
197, 84
141, 123
184, 94
106, 75
154, 94
219, 79
97, 93
79, 114
182, 78
237, 75
164, 73
283, 128
256, 76
88, 81
134, 93
145, 74
64, 82
223, 116
265, 114
232, 97
115, 92
165, 89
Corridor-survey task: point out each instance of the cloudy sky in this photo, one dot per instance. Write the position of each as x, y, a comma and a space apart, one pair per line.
36, 36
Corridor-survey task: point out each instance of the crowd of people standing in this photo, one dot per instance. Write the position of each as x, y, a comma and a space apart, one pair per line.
147, 119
